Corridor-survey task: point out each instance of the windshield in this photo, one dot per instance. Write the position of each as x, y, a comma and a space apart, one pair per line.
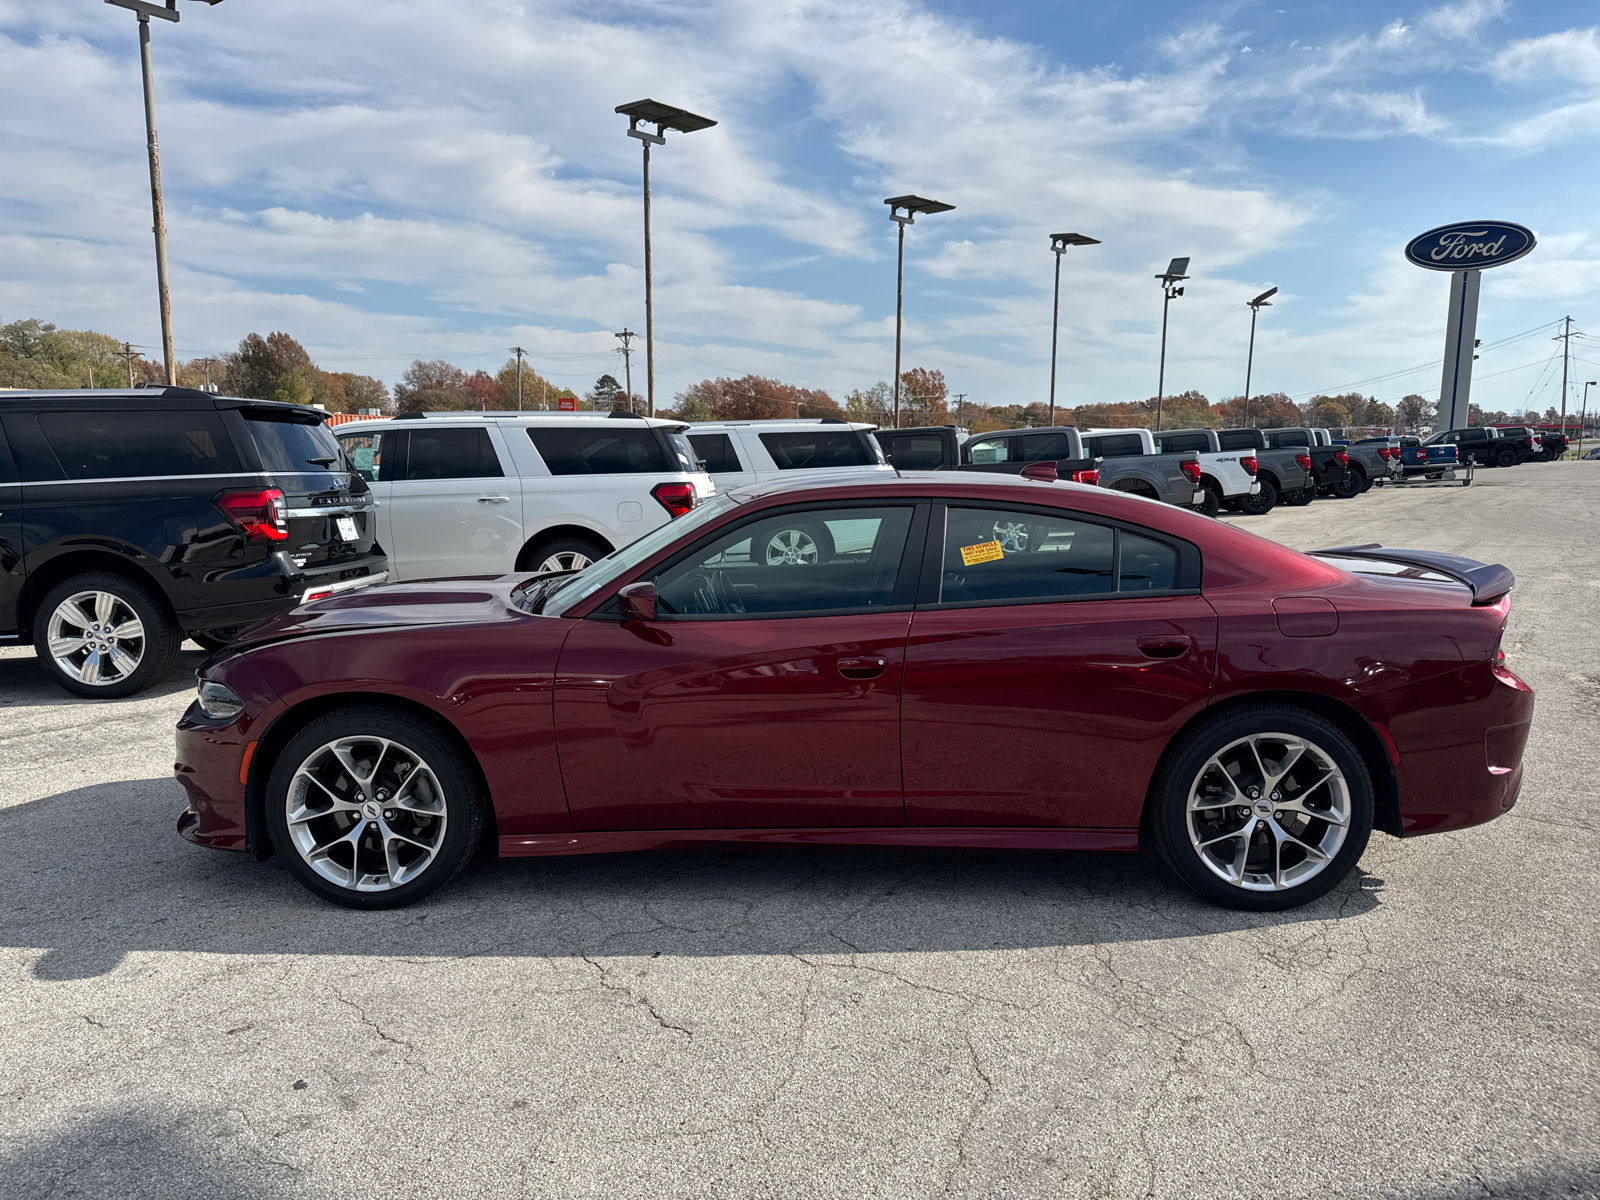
594, 577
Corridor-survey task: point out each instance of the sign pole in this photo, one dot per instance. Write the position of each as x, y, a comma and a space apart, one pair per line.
1460, 336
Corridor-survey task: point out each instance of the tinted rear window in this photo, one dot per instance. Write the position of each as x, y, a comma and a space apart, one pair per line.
603, 451
1279, 440
291, 445
716, 451
1116, 445
452, 454
920, 453
807, 450
1039, 447
1238, 439
1181, 443
111, 445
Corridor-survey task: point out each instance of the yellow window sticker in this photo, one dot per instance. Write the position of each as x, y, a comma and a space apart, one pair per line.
983, 552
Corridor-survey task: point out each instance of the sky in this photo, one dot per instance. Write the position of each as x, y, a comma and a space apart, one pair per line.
389, 180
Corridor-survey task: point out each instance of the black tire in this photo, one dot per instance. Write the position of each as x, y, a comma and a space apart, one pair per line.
1349, 487
1212, 504
1302, 497
457, 797
215, 639
793, 543
1183, 767
1366, 484
152, 653
563, 554
1264, 501
1506, 458
1136, 488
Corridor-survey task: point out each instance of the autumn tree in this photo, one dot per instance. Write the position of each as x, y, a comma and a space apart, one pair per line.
432, 386
923, 397
872, 406
537, 391
752, 398
363, 391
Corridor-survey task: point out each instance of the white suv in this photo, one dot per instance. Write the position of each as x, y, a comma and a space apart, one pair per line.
465, 493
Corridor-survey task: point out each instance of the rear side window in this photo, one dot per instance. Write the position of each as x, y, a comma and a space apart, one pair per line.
807, 450
716, 451
602, 451
293, 445
1237, 439
1116, 445
452, 454
922, 453
1279, 440
1146, 566
1183, 443
113, 445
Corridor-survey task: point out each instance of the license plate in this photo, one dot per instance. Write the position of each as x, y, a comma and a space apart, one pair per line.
347, 529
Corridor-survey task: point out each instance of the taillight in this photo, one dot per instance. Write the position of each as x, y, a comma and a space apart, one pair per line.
260, 514
1341, 458
1385, 453
1091, 477
1303, 461
1191, 468
1248, 462
676, 498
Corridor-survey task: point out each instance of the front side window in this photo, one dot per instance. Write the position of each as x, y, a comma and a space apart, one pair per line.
602, 450
139, 443
998, 555
716, 451
990, 450
364, 452
822, 448
794, 563
452, 454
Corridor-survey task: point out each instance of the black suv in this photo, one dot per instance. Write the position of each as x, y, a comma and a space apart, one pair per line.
129, 519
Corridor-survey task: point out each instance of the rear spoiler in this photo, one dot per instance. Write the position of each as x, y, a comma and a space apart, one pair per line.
1488, 581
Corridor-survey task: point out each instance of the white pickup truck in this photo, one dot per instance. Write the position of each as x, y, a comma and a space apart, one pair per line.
1223, 476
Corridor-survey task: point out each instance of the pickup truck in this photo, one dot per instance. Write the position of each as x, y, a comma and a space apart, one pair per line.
1369, 461
1172, 478
1282, 474
1223, 476
1486, 445
1329, 464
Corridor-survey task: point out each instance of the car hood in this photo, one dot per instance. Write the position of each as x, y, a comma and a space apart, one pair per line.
461, 601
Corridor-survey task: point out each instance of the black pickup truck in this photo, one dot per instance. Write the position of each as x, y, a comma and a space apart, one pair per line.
1330, 465
1487, 445
938, 448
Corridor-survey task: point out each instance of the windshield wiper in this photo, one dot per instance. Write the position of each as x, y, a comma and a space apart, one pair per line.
535, 594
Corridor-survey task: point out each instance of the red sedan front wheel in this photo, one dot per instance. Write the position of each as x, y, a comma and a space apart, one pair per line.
1263, 808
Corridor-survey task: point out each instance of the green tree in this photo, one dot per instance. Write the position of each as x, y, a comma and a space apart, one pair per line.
871, 406
1410, 413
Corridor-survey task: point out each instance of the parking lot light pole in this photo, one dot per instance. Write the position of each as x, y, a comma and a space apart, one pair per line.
1583, 416
1256, 306
168, 13
912, 205
1176, 271
663, 117
1059, 243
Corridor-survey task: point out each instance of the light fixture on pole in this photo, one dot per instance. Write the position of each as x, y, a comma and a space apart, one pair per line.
168, 13
663, 117
912, 205
1177, 270
1059, 243
1256, 305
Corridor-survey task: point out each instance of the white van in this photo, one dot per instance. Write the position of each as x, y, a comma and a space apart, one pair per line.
472, 493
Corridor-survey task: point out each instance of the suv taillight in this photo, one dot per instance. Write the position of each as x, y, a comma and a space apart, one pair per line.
1248, 462
1303, 461
1191, 468
260, 514
1341, 458
676, 498
1091, 477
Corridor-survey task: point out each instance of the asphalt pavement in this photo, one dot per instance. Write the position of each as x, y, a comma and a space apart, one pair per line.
178, 1022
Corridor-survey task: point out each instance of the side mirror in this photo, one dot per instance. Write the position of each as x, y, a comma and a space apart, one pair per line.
638, 601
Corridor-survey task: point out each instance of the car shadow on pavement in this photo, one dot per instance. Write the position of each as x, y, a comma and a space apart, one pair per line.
23, 682
99, 872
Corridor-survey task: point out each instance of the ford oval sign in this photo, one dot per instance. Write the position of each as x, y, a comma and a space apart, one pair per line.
1470, 245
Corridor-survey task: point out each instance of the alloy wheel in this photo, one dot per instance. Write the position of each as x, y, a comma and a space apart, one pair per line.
96, 638
366, 813
1013, 536
564, 560
791, 548
1268, 812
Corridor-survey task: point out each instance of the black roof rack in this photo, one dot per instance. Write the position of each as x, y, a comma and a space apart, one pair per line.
1488, 581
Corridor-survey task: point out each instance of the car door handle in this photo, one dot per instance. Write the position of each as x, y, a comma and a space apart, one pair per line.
493, 499
1164, 645
862, 668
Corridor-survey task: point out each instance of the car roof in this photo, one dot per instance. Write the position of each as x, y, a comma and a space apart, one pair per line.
576, 419
182, 397
912, 482
781, 424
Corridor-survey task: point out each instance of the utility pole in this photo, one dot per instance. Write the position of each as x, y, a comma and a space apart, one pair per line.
1565, 338
519, 352
626, 350
127, 355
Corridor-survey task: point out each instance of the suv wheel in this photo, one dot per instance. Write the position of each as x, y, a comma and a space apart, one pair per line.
373, 808
1263, 808
803, 544
564, 554
105, 636
1263, 502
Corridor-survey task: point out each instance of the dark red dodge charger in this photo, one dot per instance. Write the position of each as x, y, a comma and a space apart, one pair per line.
928, 660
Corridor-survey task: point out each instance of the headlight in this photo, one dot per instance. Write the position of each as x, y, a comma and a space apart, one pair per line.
218, 702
